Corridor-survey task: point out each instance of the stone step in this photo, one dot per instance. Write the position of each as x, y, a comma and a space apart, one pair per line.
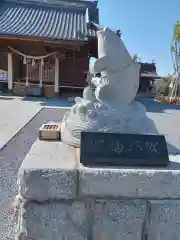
19, 89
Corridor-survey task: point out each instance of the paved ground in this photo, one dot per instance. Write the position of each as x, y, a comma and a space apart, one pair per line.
11, 157
166, 116
16, 112
167, 119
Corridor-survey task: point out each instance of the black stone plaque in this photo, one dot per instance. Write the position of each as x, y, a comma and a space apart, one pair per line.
115, 149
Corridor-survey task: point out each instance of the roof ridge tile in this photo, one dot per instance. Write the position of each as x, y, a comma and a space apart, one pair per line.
67, 3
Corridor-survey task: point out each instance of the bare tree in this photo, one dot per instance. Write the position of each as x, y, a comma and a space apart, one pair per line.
175, 54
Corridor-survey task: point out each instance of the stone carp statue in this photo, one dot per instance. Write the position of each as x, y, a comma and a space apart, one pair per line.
108, 101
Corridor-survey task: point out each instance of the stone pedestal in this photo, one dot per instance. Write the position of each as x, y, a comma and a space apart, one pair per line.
60, 199
56, 95
19, 89
10, 91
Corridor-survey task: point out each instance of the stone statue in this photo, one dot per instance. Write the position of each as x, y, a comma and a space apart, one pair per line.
108, 101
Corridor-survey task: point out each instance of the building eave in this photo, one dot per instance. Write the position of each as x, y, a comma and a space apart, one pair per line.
40, 39
46, 21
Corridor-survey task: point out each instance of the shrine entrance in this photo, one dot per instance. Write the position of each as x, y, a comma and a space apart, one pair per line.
35, 70
39, 74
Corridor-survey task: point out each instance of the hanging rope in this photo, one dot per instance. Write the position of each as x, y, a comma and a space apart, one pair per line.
33, 58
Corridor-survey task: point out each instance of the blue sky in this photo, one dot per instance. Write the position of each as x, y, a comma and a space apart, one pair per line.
146, 26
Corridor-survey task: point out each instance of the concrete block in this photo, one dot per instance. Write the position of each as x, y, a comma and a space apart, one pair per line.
57, 221
117, 219
164, 219
48, 172
131, 183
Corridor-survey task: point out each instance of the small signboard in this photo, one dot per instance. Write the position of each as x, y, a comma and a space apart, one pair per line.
50, 131
115, 149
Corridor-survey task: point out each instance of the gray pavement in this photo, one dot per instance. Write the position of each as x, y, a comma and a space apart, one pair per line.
166, 116
11, 157
16, 112
167, 120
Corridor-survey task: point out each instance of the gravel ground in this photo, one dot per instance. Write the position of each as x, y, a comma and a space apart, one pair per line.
11, 157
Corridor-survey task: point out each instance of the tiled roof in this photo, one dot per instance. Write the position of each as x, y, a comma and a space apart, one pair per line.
148, 70
55, 20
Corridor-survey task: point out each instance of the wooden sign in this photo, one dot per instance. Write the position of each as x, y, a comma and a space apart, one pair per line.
115, 149
50, 131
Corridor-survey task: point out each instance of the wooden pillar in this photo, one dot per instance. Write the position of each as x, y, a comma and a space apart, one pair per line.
73, 59
27, 73
56, 82
41, 73
73, 67
10, 72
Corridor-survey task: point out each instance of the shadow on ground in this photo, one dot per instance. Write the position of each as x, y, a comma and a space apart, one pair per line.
51, 102
157, 107
6, 98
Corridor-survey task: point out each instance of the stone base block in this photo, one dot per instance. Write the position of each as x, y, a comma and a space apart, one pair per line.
118, 219
52, 168
99, 220
33, 90
148, 183
50, 131
19, 89
10, 91
62, 199
96, 220
163, 222
48, 172
56, 94
55, 221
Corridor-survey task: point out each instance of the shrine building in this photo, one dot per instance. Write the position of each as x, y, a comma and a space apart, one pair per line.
45, 45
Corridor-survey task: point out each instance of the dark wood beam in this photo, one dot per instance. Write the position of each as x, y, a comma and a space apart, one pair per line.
44, 40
